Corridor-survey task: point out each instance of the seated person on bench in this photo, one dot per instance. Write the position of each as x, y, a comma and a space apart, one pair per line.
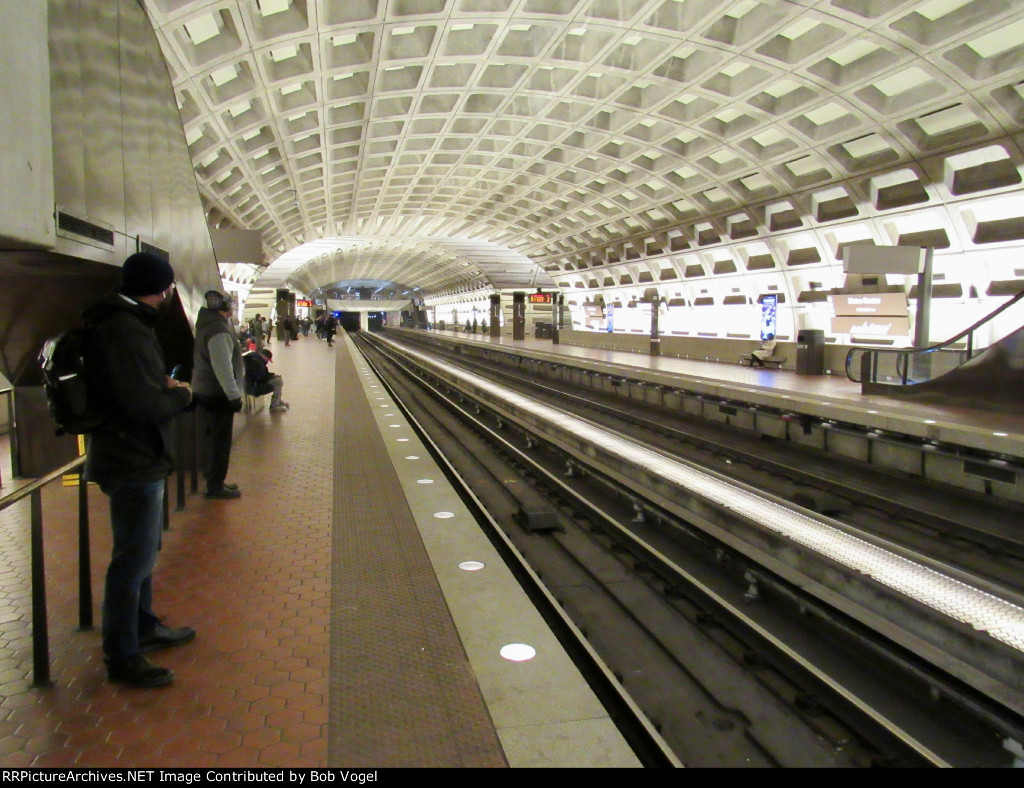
259, 380
764, 351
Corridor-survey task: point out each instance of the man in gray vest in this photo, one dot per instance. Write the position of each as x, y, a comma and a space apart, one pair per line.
217, 388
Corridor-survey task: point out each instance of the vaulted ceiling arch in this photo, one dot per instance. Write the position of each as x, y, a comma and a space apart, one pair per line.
460, 139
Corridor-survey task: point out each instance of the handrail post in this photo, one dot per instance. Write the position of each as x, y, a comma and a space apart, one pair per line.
9, 395
40, 635
167, 507
193, 451
866, 373
84, 556
180, 460
13, 427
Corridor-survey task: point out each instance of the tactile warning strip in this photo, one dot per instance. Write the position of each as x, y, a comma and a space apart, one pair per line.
402, 692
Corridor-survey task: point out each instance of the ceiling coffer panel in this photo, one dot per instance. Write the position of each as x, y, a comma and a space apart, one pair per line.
561, 131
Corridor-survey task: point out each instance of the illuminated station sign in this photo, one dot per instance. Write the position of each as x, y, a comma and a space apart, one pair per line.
870, 314
539, 298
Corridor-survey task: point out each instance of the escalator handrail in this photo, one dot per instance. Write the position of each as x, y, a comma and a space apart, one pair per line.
907, 352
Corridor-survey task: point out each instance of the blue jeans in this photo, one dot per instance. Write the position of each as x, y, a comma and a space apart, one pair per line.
136, 518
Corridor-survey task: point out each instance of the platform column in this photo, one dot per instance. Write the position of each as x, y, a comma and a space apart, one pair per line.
519, 315
655, 336
556, 317
495, 321
922, 362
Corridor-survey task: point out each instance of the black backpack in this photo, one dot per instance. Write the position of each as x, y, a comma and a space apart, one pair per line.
63, 362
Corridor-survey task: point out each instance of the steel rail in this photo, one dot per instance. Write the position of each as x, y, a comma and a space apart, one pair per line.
935, 517
910, 507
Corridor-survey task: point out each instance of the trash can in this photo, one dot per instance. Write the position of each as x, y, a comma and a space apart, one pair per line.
810, 352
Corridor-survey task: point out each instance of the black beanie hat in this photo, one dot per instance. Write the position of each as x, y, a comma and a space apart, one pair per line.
145, 274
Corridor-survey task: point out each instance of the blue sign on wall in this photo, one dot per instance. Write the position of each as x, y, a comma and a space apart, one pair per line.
768, 305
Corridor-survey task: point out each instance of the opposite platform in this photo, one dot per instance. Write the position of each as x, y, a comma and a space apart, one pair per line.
824, 396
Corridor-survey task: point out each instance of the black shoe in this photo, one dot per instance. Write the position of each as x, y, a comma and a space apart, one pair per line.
223, 493
138, 671
165, 637
230, 486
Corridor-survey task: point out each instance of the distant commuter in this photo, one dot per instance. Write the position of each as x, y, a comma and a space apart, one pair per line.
129, 457
217, 384
257, 331
289, 326
330, 328
259, 380
765, 350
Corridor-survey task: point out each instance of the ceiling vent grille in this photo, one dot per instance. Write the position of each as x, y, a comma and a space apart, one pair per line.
163, 254
77, 228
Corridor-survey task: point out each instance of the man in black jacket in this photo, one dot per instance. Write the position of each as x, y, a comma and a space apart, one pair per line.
259, 380
129, 457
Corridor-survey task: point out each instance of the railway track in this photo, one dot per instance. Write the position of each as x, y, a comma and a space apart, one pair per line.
730, 659
972, 533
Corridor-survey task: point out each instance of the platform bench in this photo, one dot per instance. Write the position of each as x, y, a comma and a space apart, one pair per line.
252, 402
774, 361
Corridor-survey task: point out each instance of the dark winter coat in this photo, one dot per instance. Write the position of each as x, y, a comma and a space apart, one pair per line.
257, 374
126, 375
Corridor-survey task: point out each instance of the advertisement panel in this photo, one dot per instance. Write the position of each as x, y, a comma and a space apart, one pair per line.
769, 307
593, 317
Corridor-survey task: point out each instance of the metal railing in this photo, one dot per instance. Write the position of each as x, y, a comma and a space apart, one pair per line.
8, 393
187, 464
909, 366
40, 632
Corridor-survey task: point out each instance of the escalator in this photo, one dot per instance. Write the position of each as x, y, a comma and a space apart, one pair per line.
956, 371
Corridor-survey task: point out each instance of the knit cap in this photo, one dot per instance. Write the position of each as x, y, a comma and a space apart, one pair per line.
218, 301
143, 274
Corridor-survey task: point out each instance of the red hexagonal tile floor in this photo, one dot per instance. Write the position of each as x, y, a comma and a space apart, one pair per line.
253, 577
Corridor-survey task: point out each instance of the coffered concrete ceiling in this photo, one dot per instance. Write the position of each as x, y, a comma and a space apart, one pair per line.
456, 144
